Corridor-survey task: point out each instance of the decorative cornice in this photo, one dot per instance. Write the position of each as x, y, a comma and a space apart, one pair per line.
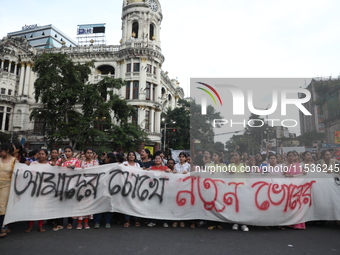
140, 52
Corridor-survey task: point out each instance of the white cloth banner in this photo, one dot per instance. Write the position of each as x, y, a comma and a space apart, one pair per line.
40, 192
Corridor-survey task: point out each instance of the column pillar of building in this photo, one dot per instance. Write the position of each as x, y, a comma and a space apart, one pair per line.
9, 66
159, 87
125, 34
122, 75
2, 64
151, 92
128, 30
22, 78
158, 122
27, 78
141, 119
158, 32
131, 89
33, 77
142, 78
152, 120
3, 121
15, 68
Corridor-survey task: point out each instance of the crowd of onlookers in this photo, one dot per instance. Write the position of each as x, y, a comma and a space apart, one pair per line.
235, 162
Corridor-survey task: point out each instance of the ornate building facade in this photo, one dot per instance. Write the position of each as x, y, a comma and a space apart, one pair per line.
137, 60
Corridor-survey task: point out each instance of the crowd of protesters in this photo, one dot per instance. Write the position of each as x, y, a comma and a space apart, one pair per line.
288, 164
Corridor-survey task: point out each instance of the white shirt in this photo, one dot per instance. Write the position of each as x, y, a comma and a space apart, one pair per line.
127, 164
182, 168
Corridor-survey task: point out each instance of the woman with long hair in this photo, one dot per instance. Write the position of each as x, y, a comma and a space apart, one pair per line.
18, 152
67, 160
131, 162
7, 162
293, 168
42, 159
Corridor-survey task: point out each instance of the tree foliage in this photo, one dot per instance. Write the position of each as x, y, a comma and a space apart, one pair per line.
307, 138
190, 126
84, 114
250, 141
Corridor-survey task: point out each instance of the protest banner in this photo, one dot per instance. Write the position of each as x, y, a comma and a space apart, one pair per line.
40, 192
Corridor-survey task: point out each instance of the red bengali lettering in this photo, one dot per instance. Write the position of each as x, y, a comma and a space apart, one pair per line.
182, 201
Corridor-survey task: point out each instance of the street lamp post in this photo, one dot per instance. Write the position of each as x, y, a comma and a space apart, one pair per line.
174, 122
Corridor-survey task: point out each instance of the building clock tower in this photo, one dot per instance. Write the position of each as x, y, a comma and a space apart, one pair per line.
141, 20
140, 62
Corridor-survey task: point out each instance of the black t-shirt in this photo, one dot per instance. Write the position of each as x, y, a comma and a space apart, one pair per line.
146, 164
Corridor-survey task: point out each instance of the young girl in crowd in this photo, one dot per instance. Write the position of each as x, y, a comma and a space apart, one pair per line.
6, 169
207, 155
183, 166
279, 159
131, 162
67, 160
273, 167
109, 159
42, 159
252, 165
293, 168
238, 167
217, 162
216, 165
88, 161
18, 152
146, 161
53, 157
158, 167
245, 158
57, 223
327, 163
296, 157
307, 163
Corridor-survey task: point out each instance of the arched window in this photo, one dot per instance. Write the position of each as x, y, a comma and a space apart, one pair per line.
105, 70
151, 31
135, 28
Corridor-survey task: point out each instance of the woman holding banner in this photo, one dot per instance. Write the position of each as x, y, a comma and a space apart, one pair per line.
67, 160
6, 169
131, 162
89, 161
42, 159
238, 167
291, 169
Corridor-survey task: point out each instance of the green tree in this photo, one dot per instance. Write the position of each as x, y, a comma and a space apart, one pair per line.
74, 109
180, 138
307, 138
251, 139
190, 126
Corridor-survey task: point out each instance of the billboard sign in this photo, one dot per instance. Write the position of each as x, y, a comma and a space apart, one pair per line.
91, 29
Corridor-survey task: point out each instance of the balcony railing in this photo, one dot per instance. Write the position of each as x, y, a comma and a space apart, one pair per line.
154, 134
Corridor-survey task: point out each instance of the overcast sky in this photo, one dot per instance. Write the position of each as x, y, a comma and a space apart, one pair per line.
215, 38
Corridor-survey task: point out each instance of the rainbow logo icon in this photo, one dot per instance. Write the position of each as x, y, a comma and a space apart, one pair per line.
209, 93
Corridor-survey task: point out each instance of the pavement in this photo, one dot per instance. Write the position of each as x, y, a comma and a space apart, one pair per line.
316, 239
